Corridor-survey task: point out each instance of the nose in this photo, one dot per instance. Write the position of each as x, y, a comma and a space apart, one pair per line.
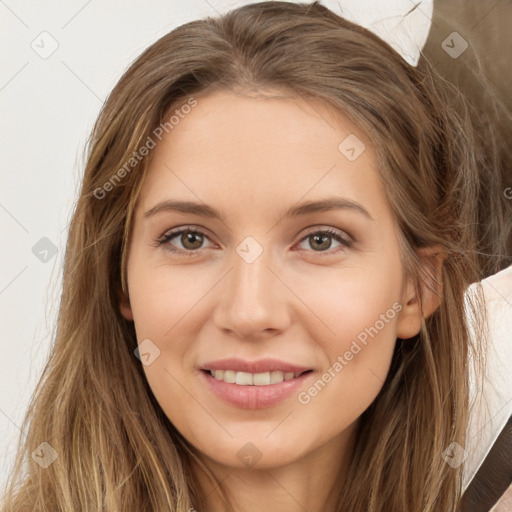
253, 300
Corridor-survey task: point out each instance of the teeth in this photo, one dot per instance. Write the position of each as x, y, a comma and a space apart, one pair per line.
244, 379
252, 379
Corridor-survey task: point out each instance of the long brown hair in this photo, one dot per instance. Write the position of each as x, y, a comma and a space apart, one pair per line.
116, 450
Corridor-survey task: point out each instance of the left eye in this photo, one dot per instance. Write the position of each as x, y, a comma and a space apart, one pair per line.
322, 238
191, 240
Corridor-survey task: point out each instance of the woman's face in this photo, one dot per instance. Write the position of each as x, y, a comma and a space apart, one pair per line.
294, 266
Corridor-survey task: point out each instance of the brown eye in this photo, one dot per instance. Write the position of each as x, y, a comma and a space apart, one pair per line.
321, 241
191, 240
188, 240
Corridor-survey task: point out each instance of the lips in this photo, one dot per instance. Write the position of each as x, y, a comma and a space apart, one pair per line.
255, 396
245, 384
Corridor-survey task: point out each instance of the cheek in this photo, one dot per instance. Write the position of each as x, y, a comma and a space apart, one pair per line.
163, 308
348, 302
167, 304
358, 361
162, 296
358, 309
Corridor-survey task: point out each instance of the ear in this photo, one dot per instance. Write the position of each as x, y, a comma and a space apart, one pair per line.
411, 316
124, 306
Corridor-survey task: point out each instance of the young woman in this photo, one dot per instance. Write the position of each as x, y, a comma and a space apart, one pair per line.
263, 299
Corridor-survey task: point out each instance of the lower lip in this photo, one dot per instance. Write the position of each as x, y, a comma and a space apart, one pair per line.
254, 397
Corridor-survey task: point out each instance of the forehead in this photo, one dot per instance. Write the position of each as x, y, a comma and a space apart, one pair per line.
263, 151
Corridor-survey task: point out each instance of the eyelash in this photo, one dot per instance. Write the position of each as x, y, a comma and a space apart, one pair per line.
164, 239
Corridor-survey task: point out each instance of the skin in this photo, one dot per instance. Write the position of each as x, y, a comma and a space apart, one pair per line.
252, 158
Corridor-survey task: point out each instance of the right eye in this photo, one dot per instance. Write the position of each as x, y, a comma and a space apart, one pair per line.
190, 239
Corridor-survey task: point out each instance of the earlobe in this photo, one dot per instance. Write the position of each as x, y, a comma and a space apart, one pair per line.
413, 314
125, 308
126, 311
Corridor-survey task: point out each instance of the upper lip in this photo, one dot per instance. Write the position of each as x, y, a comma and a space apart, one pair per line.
259, 366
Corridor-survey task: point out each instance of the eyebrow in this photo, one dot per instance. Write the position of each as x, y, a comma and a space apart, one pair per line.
305, 208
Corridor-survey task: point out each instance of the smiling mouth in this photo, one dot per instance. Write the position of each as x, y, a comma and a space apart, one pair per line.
253, 379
